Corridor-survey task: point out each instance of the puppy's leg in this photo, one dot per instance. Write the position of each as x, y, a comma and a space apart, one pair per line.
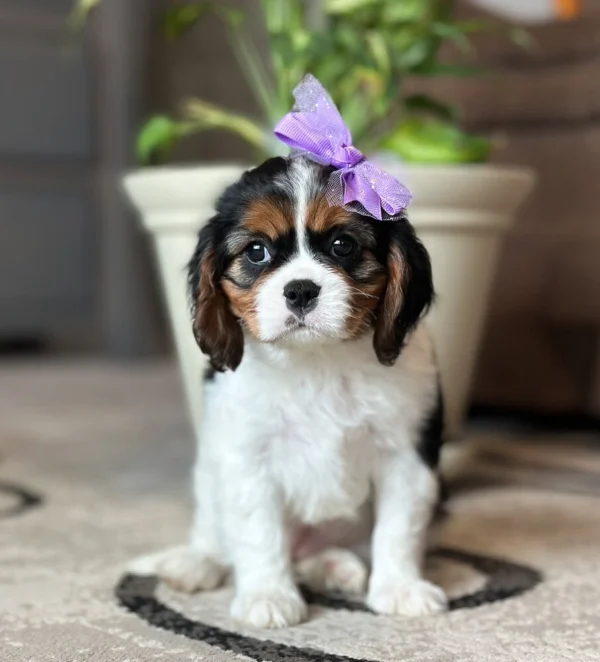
333, 569
258, 542
197, 566
406, 492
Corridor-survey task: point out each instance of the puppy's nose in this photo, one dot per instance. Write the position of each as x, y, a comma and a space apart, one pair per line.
301, 295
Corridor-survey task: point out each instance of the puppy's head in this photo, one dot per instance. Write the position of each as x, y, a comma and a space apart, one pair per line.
281, 264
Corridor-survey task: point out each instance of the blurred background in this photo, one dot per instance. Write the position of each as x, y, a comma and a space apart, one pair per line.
77, 279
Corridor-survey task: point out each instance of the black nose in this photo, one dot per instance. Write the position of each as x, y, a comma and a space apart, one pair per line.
301, 295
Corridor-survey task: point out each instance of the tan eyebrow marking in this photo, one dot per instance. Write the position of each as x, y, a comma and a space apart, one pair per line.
321, 216
272, 218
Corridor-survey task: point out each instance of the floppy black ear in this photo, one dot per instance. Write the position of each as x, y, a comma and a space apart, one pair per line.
216, 329
409, 291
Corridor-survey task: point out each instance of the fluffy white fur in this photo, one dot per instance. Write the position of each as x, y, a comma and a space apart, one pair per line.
300, 436
312, 438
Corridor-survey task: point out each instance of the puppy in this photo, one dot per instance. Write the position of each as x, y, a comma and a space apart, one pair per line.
323, 421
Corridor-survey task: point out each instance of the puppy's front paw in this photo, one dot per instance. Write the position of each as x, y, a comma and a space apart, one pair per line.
270, 608
416, 597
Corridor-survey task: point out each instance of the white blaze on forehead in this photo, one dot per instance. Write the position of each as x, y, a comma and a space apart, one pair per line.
303, 184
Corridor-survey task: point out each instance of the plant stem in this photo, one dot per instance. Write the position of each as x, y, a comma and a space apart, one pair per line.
205, 116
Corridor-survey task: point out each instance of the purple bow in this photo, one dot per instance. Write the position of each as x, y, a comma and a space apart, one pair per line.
315, 129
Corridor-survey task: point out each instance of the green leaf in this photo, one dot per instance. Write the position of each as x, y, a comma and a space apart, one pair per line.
443, 10
417, 103
346, 6
430, 141
522, 38
233, 17
80, 13
203, 116
251, 64
362, 98
156, 138
415, 56
379, 50
452, 32
400, 11
181, 18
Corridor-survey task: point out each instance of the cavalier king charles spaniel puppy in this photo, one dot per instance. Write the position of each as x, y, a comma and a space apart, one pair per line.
323, 414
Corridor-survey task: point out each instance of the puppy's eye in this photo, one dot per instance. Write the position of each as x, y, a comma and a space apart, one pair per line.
343, 247
257, 253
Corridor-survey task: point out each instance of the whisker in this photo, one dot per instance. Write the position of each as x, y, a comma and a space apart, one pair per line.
363, 293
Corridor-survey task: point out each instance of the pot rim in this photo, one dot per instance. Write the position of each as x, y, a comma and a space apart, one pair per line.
171, 199
477, 169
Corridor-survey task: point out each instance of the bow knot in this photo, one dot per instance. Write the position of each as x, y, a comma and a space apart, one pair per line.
315, 129
346, 156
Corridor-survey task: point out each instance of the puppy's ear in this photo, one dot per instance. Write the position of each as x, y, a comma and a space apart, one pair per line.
409, 291
216, 329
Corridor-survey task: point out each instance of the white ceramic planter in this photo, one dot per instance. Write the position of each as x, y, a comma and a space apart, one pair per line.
460, 212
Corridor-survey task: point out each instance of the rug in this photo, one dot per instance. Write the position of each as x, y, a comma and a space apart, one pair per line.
94, 464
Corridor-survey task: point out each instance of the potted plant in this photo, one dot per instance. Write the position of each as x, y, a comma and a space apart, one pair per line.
364, 52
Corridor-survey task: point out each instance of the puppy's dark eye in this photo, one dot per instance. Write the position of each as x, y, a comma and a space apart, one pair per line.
343, 247
257, 253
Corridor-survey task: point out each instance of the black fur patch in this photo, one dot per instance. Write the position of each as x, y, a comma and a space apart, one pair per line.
418, 293
432, 434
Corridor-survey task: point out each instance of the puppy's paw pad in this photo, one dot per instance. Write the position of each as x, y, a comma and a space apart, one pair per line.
277, 608
412, 598
334, 570
182, 568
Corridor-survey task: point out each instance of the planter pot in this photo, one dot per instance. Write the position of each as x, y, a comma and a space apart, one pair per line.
461, 213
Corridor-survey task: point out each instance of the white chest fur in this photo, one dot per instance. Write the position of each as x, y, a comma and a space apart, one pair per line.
322, 460
317, 423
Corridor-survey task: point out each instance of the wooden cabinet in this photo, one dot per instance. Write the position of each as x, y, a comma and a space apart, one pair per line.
542, 346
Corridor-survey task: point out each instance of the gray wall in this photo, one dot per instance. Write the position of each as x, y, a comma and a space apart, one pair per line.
73, 267
47, 224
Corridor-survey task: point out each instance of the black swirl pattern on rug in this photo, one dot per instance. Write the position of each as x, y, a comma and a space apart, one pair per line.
23, 499
137, 594
505, 579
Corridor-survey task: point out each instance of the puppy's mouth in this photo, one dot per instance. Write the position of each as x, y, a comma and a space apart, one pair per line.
292, 323
299, 328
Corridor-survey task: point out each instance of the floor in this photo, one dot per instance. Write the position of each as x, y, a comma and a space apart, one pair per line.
94, 470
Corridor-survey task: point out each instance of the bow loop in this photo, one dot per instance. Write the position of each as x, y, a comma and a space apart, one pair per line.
316, 130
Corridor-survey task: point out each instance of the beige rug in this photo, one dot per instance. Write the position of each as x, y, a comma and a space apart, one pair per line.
93, 471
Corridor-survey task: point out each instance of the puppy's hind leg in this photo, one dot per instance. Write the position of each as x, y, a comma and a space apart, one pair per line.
182, 568
333, 569
197, 566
